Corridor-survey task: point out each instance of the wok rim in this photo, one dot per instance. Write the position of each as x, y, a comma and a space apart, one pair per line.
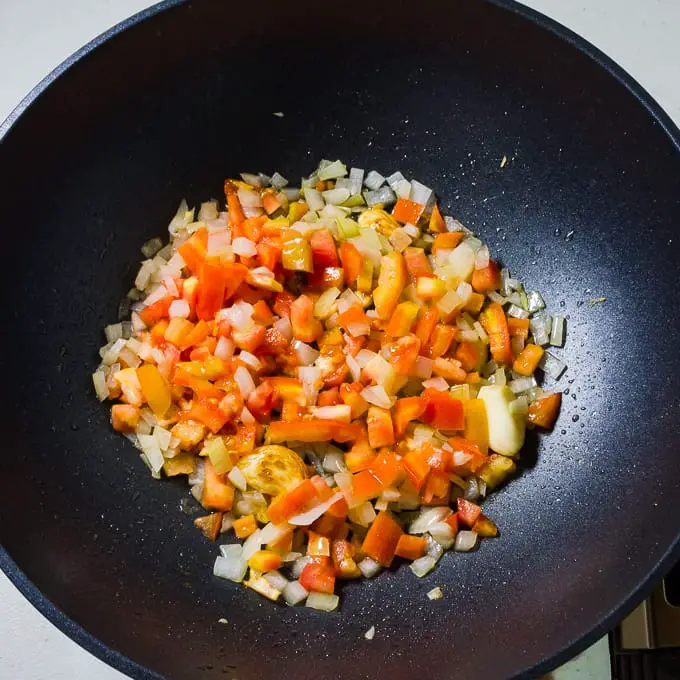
600, 627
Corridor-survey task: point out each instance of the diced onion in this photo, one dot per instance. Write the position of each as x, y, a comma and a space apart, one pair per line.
481, 333
322, 601
433, 549
436, 383
314, 199
427, 518
435, 594
376, 395
271, 533
449, 302
535, 301
557, 331
284, 327
179, 308
364, 356
522, 384
298, 565
149, 444
231, 568
334, 461
99, 380
244, 246
251, 545
224, 348
383, 195
482, 258
420, 193
250, 360
354, 367
245, 381
465, 541
423, 565
335, 196
552, 366
325, 303
332, 171
423, 367
306, 354
370, 633
517, 312
340, 412
369, 567
237, 478
519, 406
362, 514
249, 198
374, 180
240, 316
294, 593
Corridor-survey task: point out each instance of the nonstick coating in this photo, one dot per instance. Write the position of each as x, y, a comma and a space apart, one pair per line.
587, 206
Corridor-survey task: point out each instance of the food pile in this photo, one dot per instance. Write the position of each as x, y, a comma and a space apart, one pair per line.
341, 372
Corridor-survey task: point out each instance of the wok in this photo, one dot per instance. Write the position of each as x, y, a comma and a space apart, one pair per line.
166, 105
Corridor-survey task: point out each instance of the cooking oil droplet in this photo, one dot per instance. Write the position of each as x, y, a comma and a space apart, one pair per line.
574, 419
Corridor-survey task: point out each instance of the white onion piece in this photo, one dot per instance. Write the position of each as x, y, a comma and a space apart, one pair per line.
339, 412
180, 309
299, 565
270, 533
354, 367
364, 356
251, 545
219, 243
230, 568
322, 601
557, 331
99, 380
305, 353
244, 246
522, 384
336, 196
224, 348
314, 199
231, 550
428, 517
374, 180
362, 514
535, 301
294, 593
369, 567
376, 395
306, 518
249, 198
245, 381
356, 329
481, 332
334, 461
240, 316
423, 565
461, 458
552, 365
250, 360
420, 193
284, 327
249, 178
423, 367
437, 383
246, 416
237, 478
278, 181
482, 258
276, 580
443, 534
465, 541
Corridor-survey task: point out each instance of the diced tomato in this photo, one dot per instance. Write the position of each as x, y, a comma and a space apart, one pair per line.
366, 485
417, 264
332, 527
282, 303
382, 539
440, 340
318, 575
442, 410
261, 401
324, 253
405, 411
269, 252
156, 312
403, 354
410, 547
251, 339
195, 249
288, 504
350, 394
315, 430
386, 467
343, 559
417, 468
352, 262
468, 512
305, 326
380, 429
488, 278
427, 320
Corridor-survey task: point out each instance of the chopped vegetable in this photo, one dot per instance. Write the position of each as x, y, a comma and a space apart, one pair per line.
320, 362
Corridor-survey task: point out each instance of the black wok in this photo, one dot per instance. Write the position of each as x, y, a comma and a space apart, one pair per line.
94, 163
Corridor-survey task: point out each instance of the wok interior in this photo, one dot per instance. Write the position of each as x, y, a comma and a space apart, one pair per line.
167, 110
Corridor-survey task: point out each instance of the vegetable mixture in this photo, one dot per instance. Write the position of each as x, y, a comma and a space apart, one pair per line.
341, 372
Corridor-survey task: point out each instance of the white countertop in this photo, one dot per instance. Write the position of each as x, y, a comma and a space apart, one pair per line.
36, 35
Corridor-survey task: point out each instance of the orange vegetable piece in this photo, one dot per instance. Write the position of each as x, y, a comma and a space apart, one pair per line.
365, 485
318, 545
440, 340
124, 417
417, 264
403, 354
359, 457
196, 335
178, 330
437, 223
155, 389
403, 318
323, 491
319, 575
350, 394
518, 328
351, 316
212, 284
333, 527
442, 411
271, 201
305, 327
468, 512
474, 304
262, 313
218, 493
391, 282
245, 526
210, 525
288, 504
329, 397
236, 216
380, 429
407, 211
526, 362
314, 430
447, 241
208, 413
194, 250
343, 559
430, 288
469, 354
386, 467
486, 279
251, 339
269, 252
427, 320
543, 412
485, 527
382, 539
406, 410
410, 547
496, 325
265, 560
352, 262
450, 369
417, 468
200, 386
156, 312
